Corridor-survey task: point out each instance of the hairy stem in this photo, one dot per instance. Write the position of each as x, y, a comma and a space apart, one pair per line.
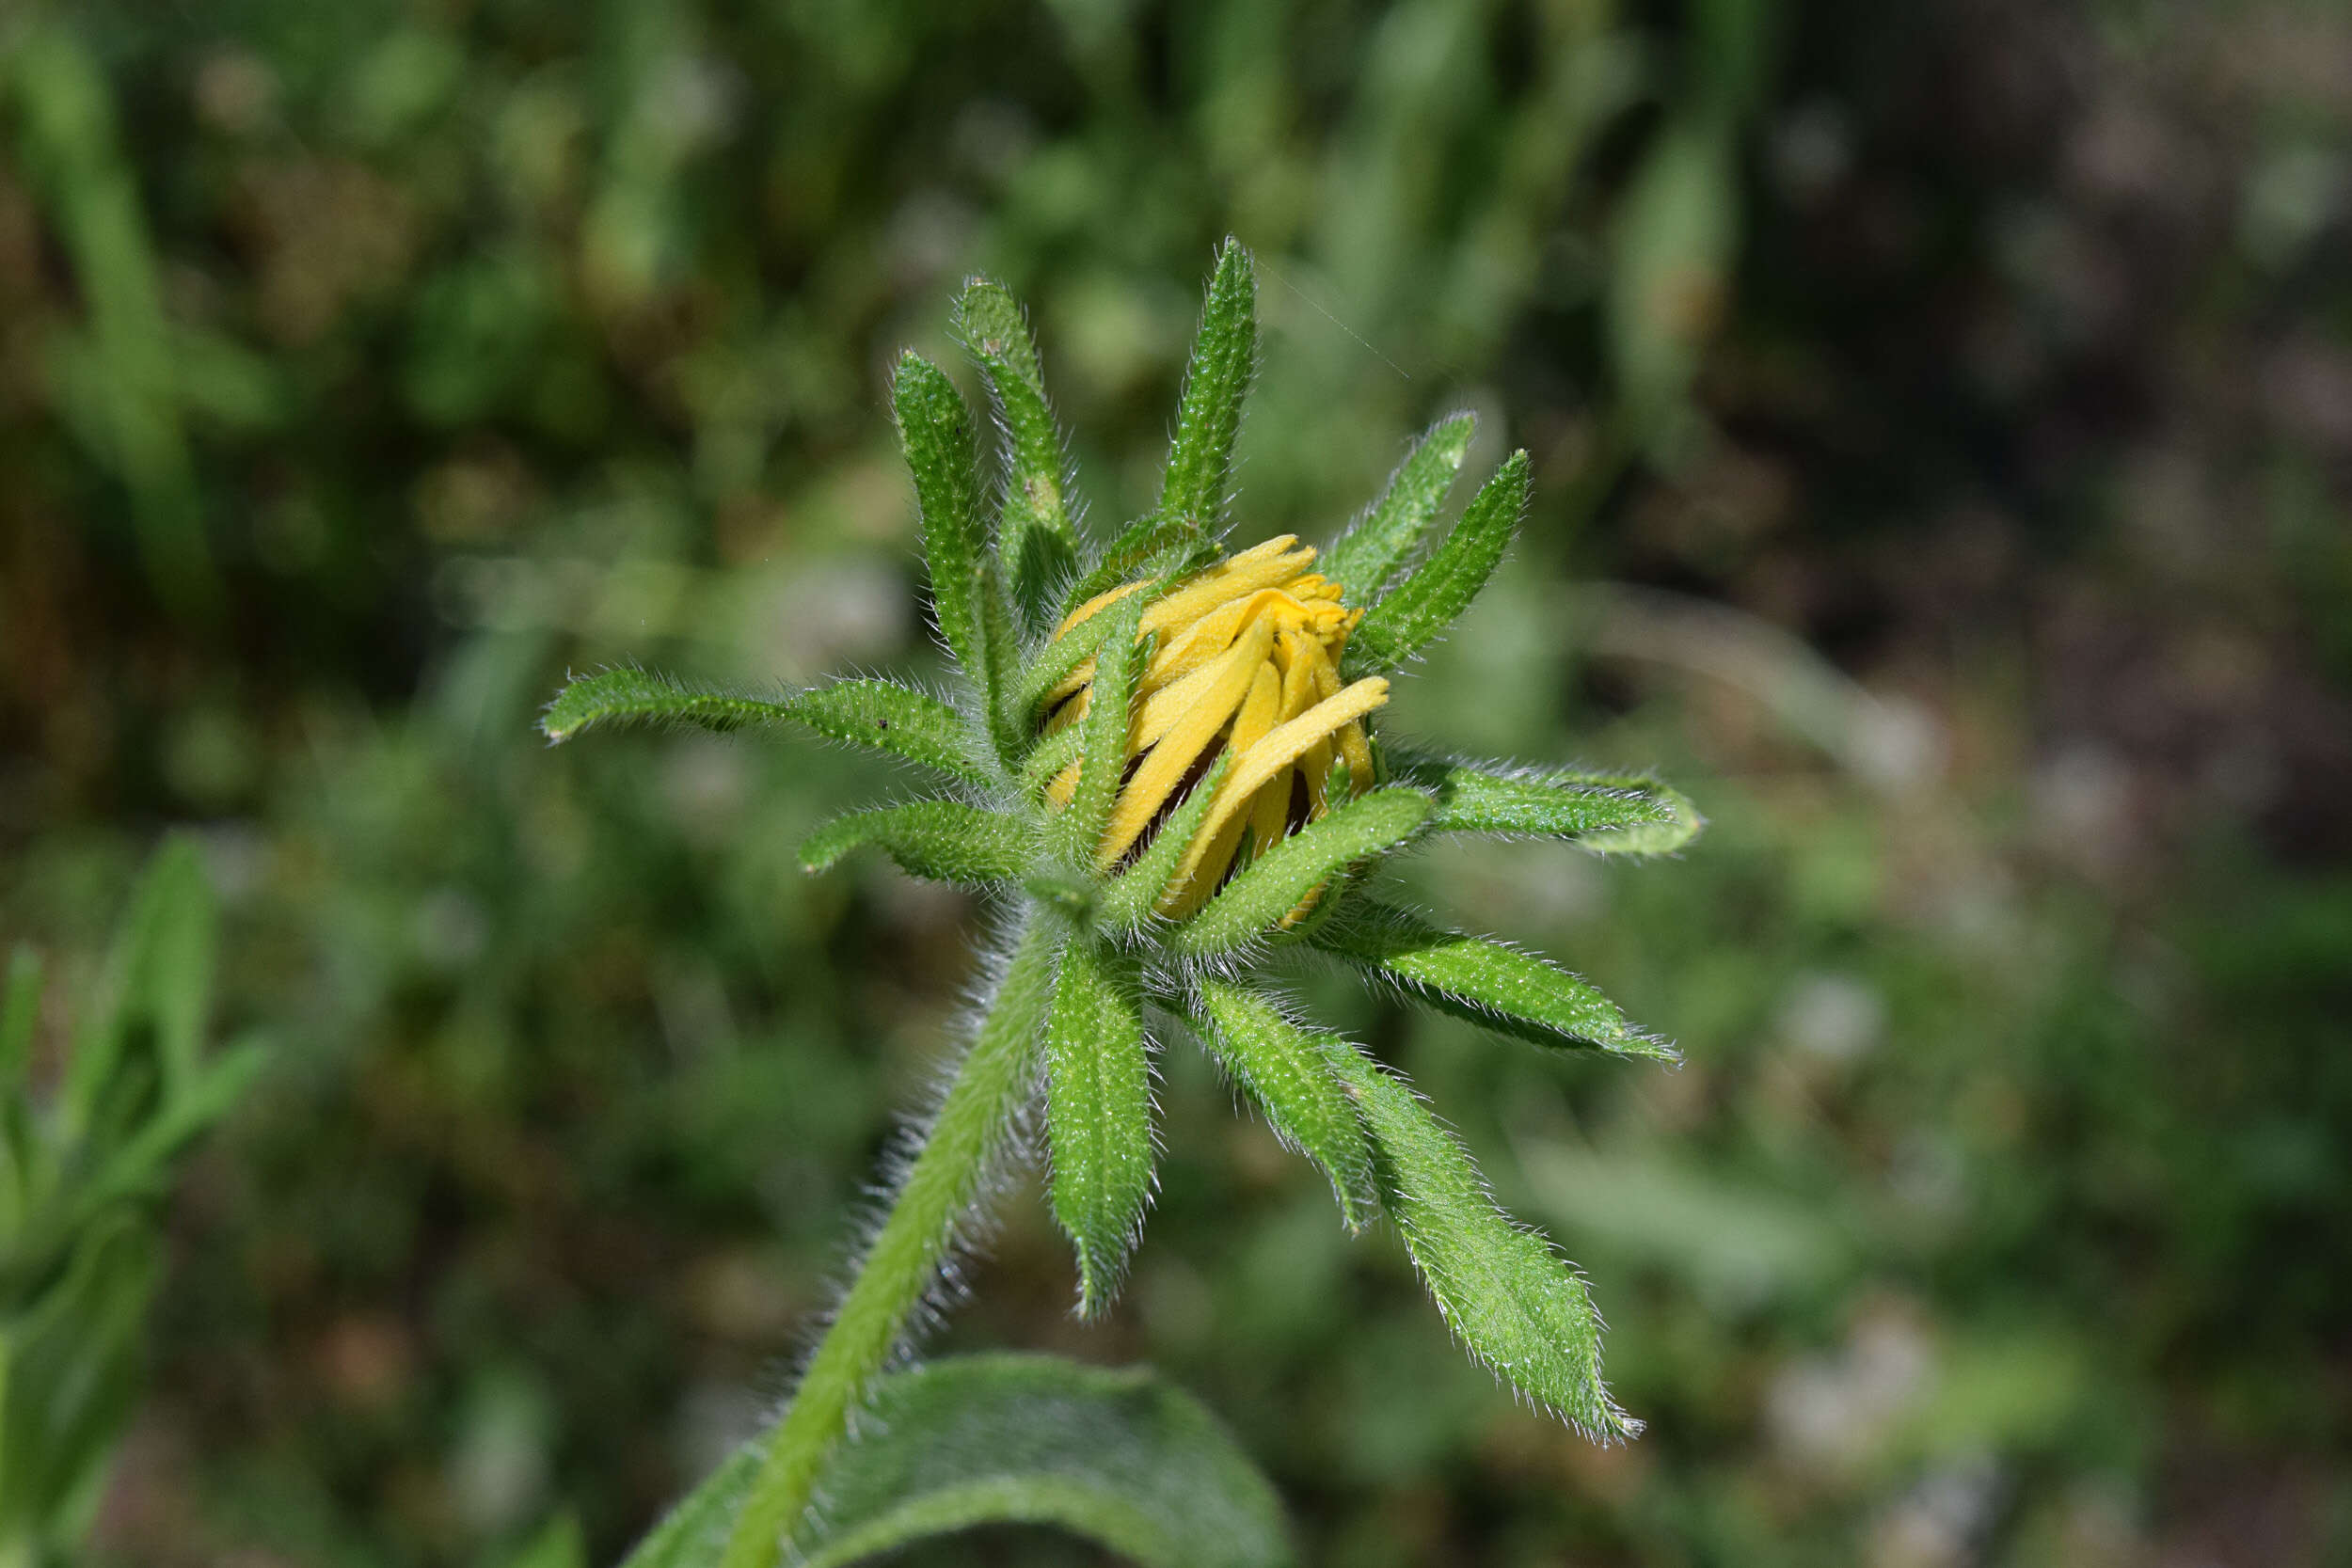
898, 1269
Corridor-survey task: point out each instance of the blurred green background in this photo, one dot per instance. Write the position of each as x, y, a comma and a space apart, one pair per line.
1942, 426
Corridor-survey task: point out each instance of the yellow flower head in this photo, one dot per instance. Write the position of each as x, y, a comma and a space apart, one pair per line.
1246, 664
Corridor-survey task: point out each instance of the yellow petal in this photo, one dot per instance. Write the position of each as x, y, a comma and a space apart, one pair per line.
1280, 747
1165, 767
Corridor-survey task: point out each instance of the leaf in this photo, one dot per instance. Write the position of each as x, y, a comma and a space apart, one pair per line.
1078, 827
1117, 1456
876, 713
935, 432
1098, 1115
894, 719
1130, 900
1514, 1303
157, 988
1283, 1070
645, 696
1608, 813
1035, 535
1421, 607
1500, 988
945, 841
1208, 417
1257, 899
1373, 551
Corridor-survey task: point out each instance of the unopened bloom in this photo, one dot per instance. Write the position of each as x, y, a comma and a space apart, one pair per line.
1245, 663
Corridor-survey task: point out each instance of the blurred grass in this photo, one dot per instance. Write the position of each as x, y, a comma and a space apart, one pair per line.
1952, 406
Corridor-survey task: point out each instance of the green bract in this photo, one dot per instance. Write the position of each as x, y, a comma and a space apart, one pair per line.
1112, 925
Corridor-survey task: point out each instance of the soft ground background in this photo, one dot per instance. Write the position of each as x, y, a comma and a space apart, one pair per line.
1942, 426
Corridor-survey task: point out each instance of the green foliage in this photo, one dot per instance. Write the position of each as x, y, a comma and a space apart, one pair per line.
1208, 417
81, 1175
874, 713
1507, 1295
1608, 813
945, 840
1286, 1072
1117, 1457
891, 718
642, 696
1440, 588
1507, 991
1368, 555
1098, 1115
967, 589
1036, 538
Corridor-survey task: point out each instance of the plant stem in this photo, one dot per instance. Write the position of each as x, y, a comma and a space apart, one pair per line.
996, 1074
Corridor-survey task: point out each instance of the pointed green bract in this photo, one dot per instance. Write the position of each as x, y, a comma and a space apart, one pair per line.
1098, 1115
894, 719
1440, 588
1376, 548
1035, 535
1049, 757
1127, 903
1677, 827
1156, 546
943, 839
1055, 662
631, 696
1257, 899
1104, 751
1512, 1302
1610, 813
1285, 1072
935, 432
1489, 984
1224, 355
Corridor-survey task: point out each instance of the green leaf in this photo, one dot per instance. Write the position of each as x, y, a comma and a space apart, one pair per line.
876, 713
943, 839
1208, 417
1035, 536
1255, 902
1117, 1456
935, 432
1514, 1303
156, 990
1129, 901
1501, 987
645, 696
894, 719
1440, 588
1078, 827
1609, 813
1098, 1115
1285, 1070
1376, 548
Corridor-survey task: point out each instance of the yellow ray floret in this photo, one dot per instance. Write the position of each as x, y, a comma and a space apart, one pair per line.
1246, 664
